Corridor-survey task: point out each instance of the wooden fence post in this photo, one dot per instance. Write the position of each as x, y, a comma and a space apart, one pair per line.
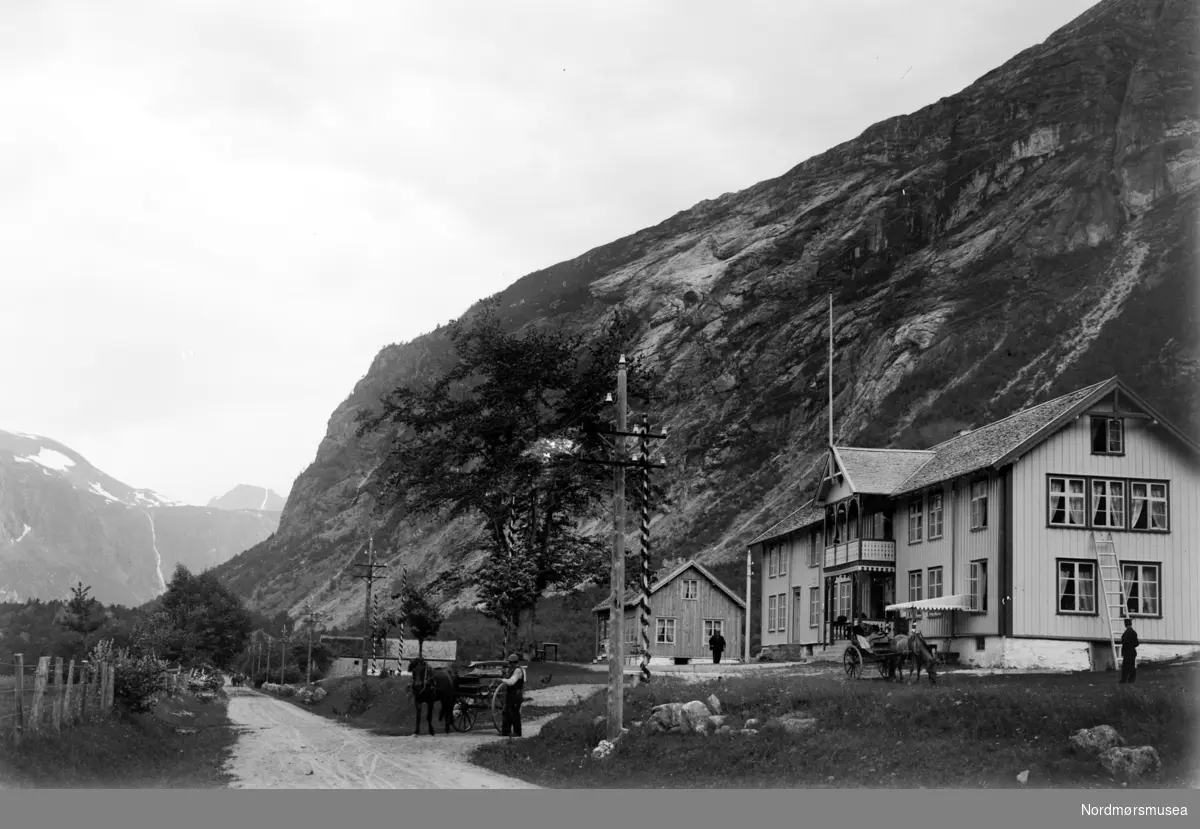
56, 702
81, 695
89, 692
110, 691
69, 695
20, 692
39, 693
102, 691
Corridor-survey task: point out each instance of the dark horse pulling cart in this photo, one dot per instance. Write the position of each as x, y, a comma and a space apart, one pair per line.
461, 695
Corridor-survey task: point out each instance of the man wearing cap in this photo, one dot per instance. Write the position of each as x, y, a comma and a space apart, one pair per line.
510, 725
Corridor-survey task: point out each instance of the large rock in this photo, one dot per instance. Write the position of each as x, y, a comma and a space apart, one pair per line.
693, 716
1096, 740
717, 722
790, 725
1130, 763
714, 703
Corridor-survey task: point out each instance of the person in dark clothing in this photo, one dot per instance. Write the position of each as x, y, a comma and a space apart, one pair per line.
510, 722
1129, 643
716, 644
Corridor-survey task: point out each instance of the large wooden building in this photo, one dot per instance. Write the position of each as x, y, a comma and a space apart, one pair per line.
995, 539
687, 605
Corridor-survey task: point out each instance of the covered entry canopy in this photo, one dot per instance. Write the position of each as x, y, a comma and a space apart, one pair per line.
959, 602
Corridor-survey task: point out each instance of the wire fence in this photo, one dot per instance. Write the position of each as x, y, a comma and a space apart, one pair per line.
44, 695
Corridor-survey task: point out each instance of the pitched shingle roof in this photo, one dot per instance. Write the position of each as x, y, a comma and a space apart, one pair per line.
631, 596
880, 471
988, 444
803, 517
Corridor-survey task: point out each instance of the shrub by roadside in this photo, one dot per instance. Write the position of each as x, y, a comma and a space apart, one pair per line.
966, 732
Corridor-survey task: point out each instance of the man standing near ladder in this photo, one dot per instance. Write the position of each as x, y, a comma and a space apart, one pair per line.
1129, 643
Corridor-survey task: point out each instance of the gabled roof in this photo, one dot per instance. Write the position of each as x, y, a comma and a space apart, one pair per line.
806, 516
879, 471
631, 596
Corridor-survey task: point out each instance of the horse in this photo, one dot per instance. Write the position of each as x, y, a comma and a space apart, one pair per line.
916, 650
430, 685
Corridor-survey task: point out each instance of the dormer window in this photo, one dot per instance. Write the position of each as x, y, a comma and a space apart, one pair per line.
1108, 436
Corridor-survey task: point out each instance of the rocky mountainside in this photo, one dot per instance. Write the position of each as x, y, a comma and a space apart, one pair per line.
1029, 235
63, 520
244, 496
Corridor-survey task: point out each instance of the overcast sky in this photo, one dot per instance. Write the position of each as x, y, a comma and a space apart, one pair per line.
214, 214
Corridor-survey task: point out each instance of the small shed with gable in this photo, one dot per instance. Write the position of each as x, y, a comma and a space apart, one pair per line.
687, 604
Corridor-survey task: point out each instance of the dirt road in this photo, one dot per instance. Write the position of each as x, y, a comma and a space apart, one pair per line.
284, 747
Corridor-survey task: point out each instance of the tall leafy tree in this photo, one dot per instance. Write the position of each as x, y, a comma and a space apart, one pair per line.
487, 440
208, 621
415, 611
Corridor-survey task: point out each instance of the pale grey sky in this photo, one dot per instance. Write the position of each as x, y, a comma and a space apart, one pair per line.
214, 214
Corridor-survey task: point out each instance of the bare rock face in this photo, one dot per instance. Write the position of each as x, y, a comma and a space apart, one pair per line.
1025, 237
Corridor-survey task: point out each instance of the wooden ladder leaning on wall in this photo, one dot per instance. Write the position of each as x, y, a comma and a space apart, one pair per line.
1113, 587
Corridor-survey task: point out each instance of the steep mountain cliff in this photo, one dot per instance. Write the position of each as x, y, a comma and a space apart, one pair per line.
244, 496
62, 520
1027, 236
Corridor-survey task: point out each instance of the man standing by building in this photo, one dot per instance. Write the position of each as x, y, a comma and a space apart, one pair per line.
1129, 643
510, 723
716, 644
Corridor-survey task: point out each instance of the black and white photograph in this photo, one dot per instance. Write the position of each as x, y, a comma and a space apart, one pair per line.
594, 396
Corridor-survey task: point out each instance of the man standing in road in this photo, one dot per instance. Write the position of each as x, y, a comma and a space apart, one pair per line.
1129, 643
716, 643
510, 723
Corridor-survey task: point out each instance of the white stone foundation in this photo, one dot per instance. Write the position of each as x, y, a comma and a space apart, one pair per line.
1051, 654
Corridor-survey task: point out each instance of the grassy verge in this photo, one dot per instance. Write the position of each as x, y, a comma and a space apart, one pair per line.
141, 751
968, 731
389, 709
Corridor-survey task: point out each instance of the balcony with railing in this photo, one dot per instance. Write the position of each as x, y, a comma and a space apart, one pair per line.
861, 550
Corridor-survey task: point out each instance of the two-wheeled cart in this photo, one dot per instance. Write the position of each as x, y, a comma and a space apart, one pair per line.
478, 690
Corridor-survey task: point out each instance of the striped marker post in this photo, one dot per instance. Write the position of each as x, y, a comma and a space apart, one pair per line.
644, 597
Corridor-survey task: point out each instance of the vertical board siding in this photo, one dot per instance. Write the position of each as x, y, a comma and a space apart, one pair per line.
979, 545
1150, 453
690, 615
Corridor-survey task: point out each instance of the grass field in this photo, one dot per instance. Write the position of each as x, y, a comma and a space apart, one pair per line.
968, 731
390, 709
143, 751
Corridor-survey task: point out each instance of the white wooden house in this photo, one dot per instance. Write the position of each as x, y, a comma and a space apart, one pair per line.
990, 538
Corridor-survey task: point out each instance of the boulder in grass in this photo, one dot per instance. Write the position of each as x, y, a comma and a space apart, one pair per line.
695, 714
1096, 740
714, 704
1130, 763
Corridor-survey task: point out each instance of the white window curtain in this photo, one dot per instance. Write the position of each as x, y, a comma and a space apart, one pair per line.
1076, 502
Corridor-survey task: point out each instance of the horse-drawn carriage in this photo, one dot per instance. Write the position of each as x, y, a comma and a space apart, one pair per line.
889, 655
478, 689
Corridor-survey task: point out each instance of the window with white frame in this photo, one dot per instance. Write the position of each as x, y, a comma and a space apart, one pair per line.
936, 515
934, 585
772, 601
814, 607
665, 631
914, 586
691, 589
603, 629
1108, 436
977, 587
842, 608
713, 627
979, 505
772, 562
1142, 589
814, 549
1067, 502
914, 521
1108, 504
1076, 586
632, 630
785, 550
781, 614
1148, 506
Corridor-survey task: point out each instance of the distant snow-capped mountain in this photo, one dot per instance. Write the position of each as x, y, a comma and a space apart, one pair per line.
63, 520
244, 496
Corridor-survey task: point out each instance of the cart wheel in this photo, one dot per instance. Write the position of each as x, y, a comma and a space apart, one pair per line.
882, 664
463, 717
853, 661
497, 708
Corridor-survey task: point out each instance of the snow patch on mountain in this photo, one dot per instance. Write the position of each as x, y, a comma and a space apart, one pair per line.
49, 459
24, 532
103, 493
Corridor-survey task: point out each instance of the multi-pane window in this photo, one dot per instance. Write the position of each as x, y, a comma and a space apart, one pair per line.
772, 602
691, 588
781, 614
1108, 436
1108, 504
977, 586
1076, 587
843, 599
935, 583
784, 552
772, 561
1141, 589
814, 549
936, 515
632, 631
914, 586
713, 627
665, 629
979, 505
1067, 502
914, 522
814, 607
1148, 506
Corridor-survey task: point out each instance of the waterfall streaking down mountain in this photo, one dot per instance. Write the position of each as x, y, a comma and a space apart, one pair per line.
162, 582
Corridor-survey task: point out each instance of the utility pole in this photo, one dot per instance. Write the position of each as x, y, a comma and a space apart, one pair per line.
283, 643
267, 672
749, 571
616, 627
311, 617
369, 574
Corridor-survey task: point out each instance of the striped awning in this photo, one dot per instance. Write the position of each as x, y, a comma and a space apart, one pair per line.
959, 602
